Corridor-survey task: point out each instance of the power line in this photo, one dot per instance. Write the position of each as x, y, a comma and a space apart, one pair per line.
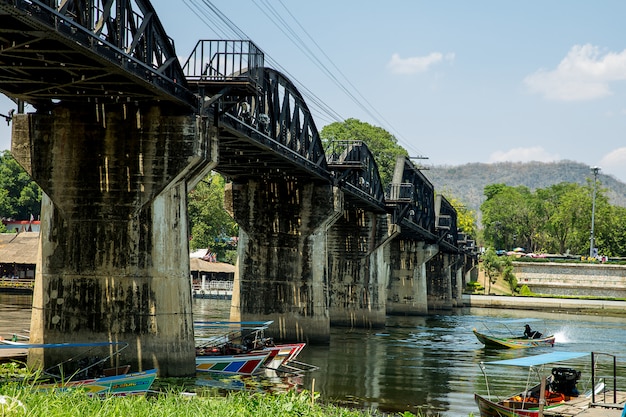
275, 17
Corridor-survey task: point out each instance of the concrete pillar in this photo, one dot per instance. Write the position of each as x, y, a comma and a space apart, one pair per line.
281, 268
114, 257
440, 283
407, 290
358, 265
460, 284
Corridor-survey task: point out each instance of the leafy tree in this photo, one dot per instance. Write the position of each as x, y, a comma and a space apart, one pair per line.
507, 216
612, 242
554, 213
498, 266
555, 220
20, 196
466, 218
382, 144
210, 224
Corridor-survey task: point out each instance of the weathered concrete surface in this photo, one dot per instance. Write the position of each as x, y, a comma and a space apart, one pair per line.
114, 263
281, 270
447, 276
358, 265
572, 279
439, 281
407, 292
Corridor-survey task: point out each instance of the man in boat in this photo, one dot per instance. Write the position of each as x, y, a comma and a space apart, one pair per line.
531, 334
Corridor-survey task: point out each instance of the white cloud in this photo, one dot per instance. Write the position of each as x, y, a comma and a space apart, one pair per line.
416, 64
533, 153
614, 163
584, 74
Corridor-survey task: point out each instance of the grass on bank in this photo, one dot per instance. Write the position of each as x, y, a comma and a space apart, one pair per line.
20, 398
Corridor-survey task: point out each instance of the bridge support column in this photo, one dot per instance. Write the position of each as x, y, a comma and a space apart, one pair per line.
114, 258
358, 269
407, 291
459, 283
440, 283
281, 269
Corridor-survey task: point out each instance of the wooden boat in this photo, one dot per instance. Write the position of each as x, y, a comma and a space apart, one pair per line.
135, 383
555, 394
91, 377
241, 348
520, 342
242, 364
498, 334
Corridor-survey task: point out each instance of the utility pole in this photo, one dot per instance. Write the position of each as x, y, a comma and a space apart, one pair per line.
593, 209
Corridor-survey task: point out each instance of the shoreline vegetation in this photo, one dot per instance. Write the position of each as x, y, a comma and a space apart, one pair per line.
23, 398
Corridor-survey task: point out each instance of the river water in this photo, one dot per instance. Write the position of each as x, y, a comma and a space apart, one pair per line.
427, 363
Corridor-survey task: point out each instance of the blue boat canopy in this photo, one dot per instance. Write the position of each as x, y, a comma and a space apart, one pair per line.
58, 345
543, 359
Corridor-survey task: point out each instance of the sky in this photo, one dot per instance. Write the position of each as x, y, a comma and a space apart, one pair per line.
454, 81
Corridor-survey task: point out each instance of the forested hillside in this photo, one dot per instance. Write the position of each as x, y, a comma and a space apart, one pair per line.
467, 182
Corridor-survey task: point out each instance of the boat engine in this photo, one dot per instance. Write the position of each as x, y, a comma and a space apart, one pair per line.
565, 380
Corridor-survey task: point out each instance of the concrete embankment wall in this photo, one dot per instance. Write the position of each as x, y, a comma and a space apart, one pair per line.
572, 279
605, 307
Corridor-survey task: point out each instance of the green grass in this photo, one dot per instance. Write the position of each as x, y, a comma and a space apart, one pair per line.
27, 402
20, 398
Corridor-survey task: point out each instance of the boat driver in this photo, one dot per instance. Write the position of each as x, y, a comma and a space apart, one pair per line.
531, 334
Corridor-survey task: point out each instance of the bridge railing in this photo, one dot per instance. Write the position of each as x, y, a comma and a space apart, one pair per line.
402, 192
224, 61
345, 152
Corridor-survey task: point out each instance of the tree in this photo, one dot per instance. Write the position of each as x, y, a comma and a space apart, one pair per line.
555, 213
612, 242
507, 217
497, 266
466, 218
382, 144
20, 196
210, 224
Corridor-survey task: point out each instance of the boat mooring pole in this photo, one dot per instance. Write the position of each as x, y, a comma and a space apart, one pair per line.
542, 395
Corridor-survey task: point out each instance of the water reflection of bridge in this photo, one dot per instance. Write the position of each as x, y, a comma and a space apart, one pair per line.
122, 131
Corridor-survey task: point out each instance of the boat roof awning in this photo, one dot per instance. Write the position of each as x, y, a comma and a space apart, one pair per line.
535, 360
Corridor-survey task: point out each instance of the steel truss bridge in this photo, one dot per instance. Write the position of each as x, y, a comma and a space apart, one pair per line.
117, 51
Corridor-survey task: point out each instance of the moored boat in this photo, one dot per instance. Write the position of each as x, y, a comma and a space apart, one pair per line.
242, 364
91, 376
237, 347
135, 383
556, 393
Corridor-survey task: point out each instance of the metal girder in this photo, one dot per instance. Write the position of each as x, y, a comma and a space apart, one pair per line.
87, 50
411, 199
355, 171
446, 223
271, 132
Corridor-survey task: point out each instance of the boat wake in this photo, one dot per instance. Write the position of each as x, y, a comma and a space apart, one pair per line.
563, 335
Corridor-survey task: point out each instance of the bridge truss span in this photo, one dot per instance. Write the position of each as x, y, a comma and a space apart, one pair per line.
355, 171
87, 50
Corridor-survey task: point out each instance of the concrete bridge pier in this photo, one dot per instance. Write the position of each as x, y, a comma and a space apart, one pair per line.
440, 283
457, 293
281, 269
407, 292
358, 269
114, 260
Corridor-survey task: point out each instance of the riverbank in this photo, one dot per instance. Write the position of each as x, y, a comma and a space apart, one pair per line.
564, 305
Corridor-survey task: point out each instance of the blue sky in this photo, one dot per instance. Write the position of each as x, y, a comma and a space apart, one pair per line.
455, 81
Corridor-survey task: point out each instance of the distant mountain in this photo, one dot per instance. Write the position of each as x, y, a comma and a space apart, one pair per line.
467, 182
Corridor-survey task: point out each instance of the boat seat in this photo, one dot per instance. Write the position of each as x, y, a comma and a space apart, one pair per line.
120, 370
